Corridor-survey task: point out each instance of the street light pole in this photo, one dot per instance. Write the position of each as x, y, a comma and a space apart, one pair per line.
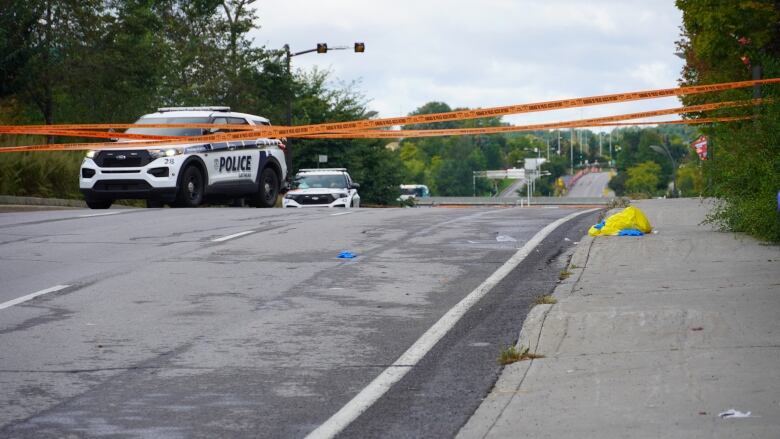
661, 150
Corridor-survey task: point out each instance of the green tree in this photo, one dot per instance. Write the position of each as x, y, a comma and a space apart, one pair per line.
731, 41
643, 178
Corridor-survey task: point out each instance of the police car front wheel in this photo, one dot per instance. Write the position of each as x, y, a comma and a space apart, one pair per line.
99, 204
190, 193
268, 190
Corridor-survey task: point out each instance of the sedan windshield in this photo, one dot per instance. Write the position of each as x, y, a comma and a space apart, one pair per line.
169, 131
334, 181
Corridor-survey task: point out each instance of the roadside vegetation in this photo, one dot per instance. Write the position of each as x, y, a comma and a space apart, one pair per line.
737, 41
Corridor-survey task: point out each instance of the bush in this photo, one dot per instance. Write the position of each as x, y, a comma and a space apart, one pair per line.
744, 174
40, 174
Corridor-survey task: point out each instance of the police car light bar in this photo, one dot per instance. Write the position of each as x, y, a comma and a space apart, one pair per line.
322, 169
167, 109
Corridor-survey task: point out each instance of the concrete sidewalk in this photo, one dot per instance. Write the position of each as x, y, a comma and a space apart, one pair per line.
651, 337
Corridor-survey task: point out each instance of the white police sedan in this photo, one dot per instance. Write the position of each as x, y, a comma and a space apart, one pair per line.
327, 187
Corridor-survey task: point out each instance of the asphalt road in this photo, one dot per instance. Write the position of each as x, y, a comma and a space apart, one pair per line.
177, 323
511, 191
590, 185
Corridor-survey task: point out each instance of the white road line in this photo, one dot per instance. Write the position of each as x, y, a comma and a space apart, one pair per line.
381, 384
235, 235
101, 214
341, 213
11, 303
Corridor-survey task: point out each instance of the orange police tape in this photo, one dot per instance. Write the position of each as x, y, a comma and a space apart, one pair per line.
705, 120
94, 134
372, 134
422, 118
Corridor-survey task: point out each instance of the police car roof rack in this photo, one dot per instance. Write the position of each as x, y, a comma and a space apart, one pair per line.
167, 109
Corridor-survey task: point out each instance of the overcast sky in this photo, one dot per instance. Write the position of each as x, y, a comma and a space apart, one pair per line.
485, 53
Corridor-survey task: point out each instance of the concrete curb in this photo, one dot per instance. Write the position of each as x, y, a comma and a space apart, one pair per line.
36, 201
509, 381
512, 376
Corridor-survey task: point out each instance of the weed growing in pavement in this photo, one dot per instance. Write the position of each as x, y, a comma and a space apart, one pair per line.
547, 299
615, 203
564, 274
618, 203
573, 266
511, 355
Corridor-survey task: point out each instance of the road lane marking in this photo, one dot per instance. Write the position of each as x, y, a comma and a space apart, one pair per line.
22, 299
382, 383
235, 235
341, 213
100, 214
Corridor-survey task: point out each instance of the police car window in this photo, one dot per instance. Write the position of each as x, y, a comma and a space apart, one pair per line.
238, 121
261, 122
167, 121
320, 181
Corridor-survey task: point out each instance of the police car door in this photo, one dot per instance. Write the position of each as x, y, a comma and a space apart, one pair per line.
233, 163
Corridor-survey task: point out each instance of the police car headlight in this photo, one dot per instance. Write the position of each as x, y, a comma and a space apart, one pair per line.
289, 196
91, 154
170, 152
341, 195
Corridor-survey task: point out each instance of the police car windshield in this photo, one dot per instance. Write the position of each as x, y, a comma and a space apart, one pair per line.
334, 181
168, 131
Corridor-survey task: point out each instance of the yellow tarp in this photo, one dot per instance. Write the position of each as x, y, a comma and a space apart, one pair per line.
629, 218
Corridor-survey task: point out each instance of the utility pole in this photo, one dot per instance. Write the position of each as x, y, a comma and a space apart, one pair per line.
547, 137
600, 133
571, 151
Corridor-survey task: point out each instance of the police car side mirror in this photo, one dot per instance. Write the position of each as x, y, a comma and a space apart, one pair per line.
354, 186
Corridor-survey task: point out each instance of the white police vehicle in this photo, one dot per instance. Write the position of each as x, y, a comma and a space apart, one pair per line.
186, 175
327, 187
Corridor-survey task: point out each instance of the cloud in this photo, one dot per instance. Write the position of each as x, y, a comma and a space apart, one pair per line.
488, 53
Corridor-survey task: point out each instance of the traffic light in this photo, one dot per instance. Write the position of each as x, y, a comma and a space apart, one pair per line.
322, 48
360, 47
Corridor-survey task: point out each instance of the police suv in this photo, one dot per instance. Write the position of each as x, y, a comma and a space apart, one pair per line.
329, 187
186, 175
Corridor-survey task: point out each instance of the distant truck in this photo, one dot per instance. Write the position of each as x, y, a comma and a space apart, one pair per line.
187, 175
414, 191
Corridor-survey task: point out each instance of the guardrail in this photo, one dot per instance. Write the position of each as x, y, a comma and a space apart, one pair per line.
511, 201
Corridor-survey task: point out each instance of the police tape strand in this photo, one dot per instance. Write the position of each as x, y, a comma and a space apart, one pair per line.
544, 126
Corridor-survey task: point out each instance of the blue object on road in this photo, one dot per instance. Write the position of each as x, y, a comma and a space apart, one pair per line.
630, 232
347, 255
599, 225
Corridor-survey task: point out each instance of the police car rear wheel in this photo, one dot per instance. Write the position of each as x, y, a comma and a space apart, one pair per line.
191, 191
269, 189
